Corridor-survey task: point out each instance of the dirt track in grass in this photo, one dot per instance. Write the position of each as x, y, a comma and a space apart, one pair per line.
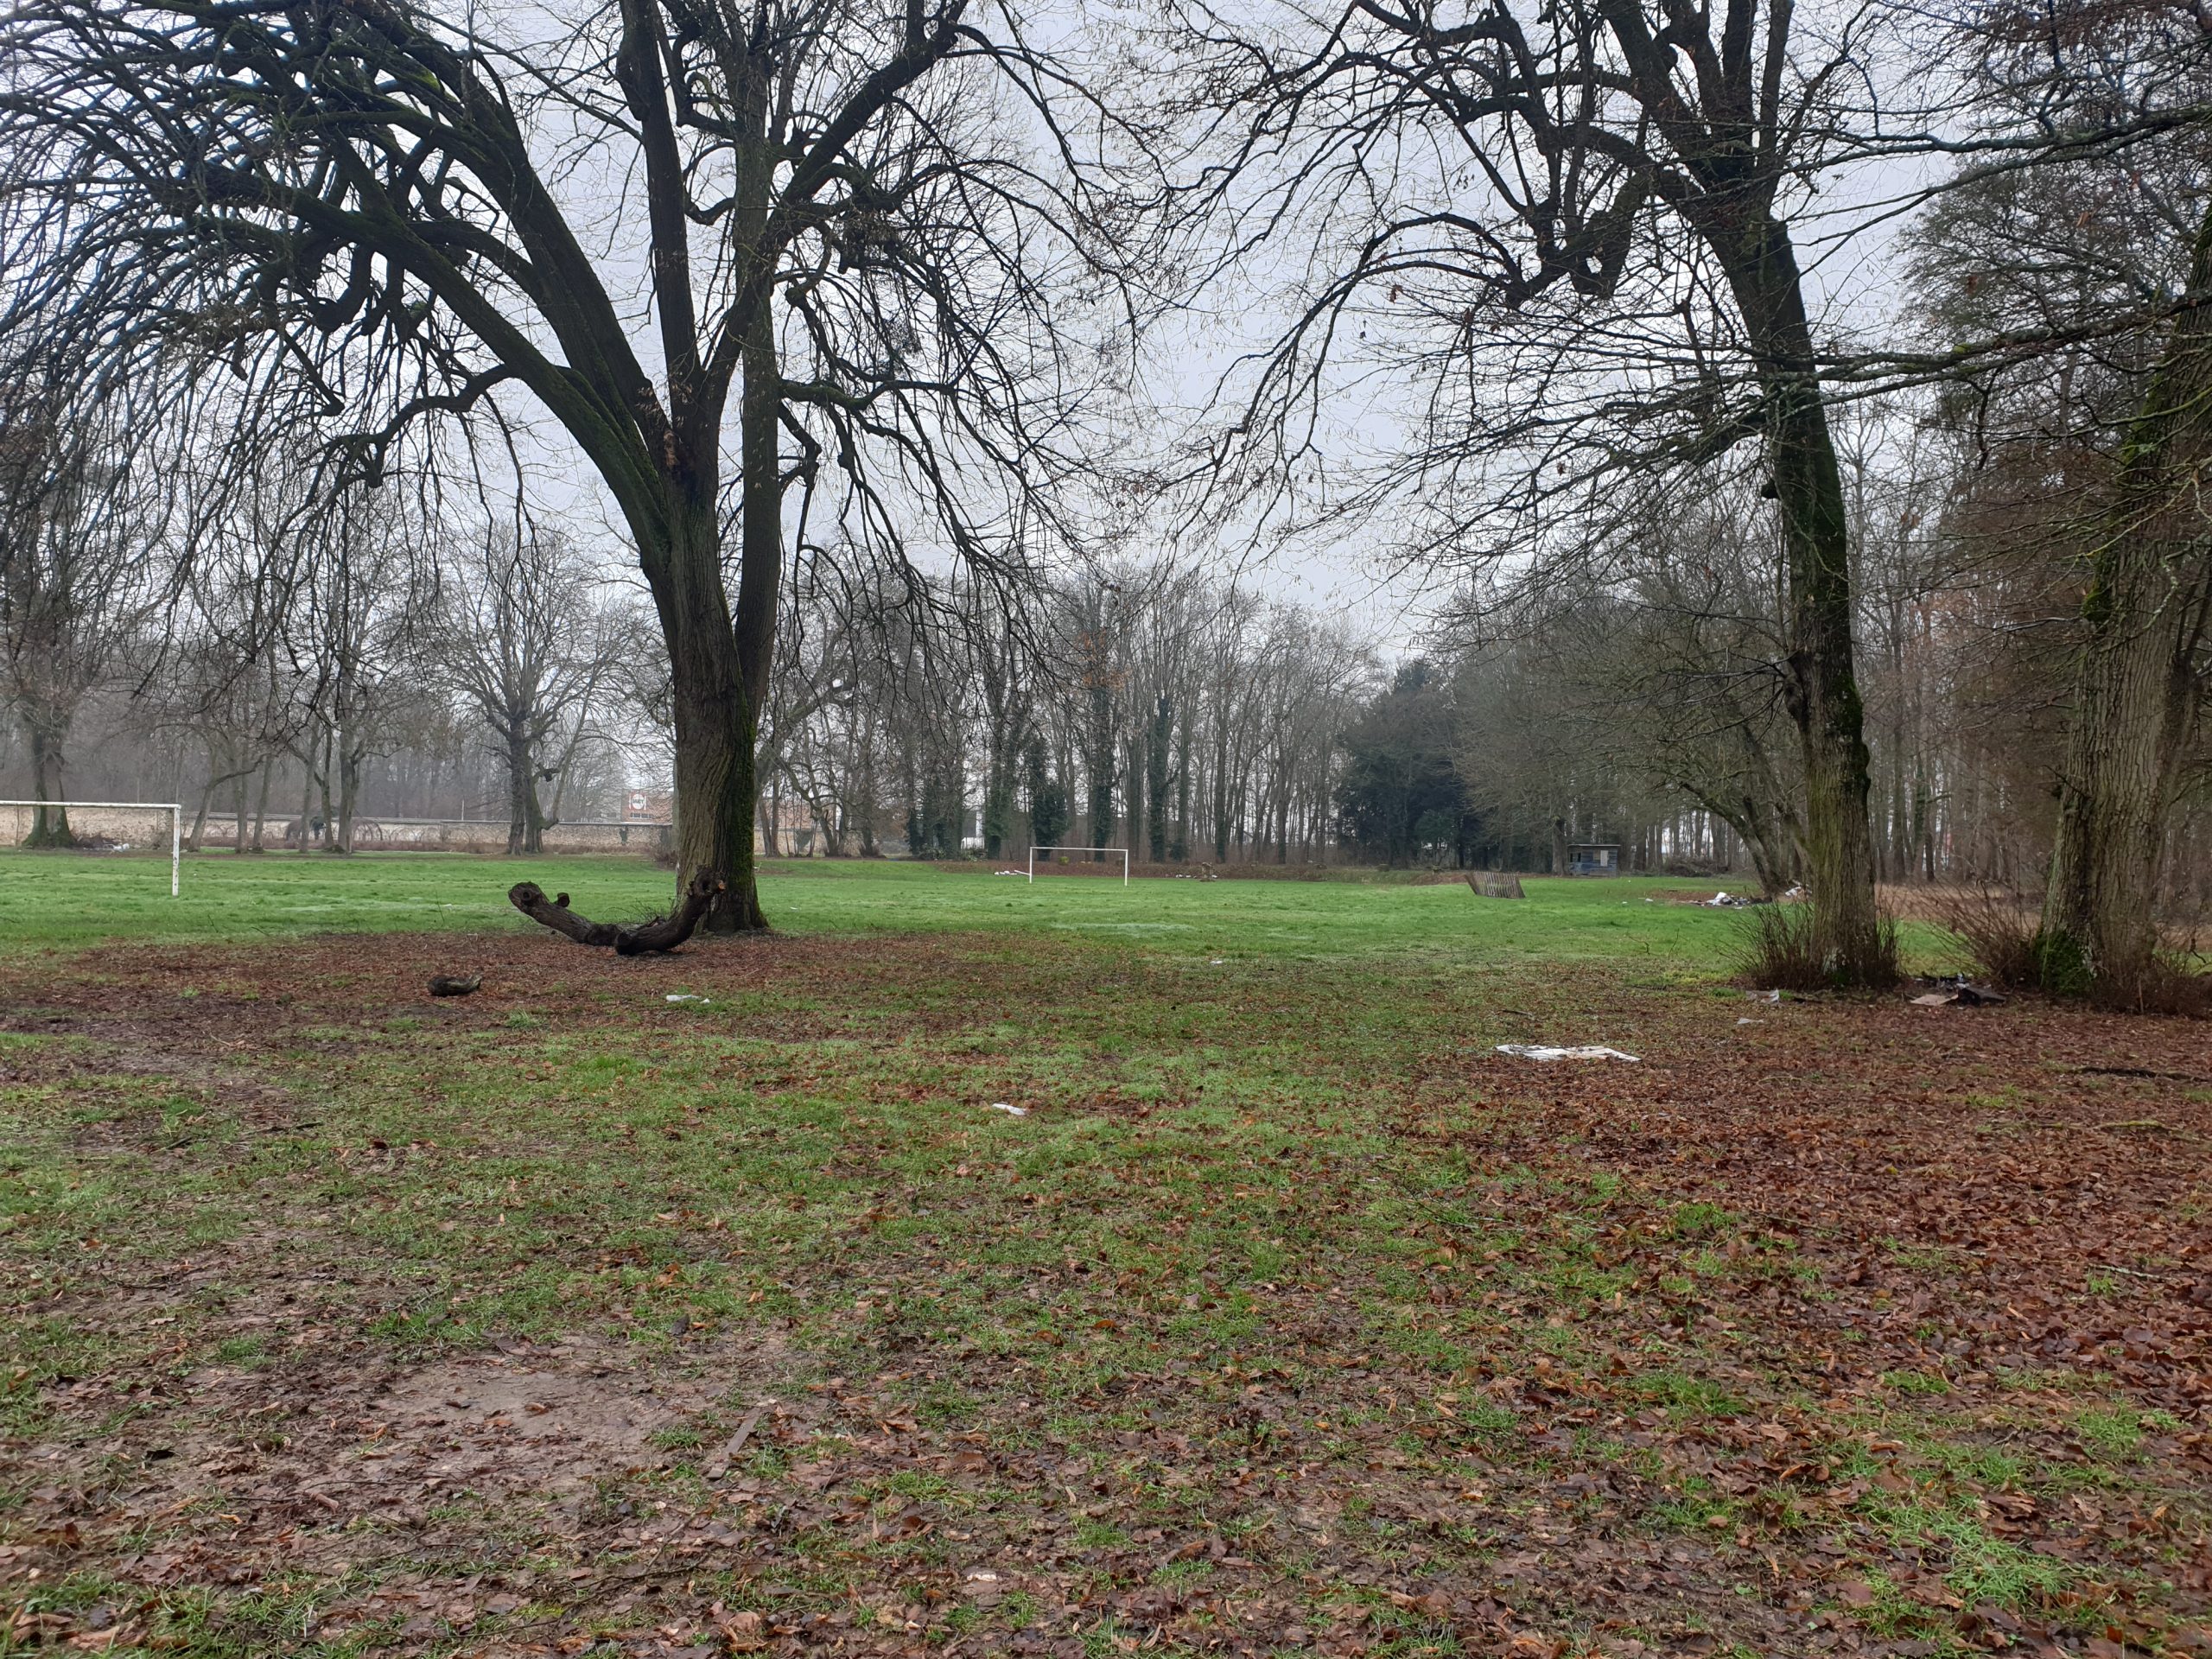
1290, 1318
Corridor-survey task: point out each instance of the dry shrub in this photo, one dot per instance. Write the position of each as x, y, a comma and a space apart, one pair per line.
1777, 953
2173, 984
1998, 932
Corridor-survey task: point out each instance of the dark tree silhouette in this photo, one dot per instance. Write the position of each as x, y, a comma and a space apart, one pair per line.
882, 248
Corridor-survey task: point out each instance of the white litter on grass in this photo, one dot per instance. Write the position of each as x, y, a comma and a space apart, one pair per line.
686, 996
1539, 1052
1748, 1020
1010, 873
1215, 962
1011, 1111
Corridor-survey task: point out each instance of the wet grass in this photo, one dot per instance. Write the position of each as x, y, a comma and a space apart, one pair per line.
66, 899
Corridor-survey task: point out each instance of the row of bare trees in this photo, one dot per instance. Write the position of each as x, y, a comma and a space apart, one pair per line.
281, 635
1164, 711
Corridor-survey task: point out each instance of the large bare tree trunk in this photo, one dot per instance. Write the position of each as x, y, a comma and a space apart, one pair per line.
522, 788
49, 824
1822, 684
713, 719
2134, 701
260, 803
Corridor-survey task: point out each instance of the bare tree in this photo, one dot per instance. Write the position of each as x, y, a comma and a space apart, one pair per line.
519, 637
883, 243
358, 631
78, 527
1593, 271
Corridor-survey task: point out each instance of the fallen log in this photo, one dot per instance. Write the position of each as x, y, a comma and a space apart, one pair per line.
657, 934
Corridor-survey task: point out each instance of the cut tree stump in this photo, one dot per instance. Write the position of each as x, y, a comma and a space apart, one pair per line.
658, 934
1496, 884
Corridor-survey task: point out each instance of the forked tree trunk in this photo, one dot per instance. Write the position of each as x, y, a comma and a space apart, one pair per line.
2134, 703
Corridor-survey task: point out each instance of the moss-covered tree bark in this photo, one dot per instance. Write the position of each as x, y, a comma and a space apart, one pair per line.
2134, 702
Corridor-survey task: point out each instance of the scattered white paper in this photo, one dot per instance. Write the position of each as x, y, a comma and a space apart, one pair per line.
1541, 1052
686, 996
1011, 1111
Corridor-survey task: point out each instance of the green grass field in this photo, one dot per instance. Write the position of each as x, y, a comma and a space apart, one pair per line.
1285, 1316
69, 900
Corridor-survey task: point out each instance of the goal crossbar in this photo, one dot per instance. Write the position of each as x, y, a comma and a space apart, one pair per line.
176, 823
1123, 851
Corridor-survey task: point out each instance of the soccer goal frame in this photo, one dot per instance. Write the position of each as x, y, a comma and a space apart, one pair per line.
176, 824
1123, 851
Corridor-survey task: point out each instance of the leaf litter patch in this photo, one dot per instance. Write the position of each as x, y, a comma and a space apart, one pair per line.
1869, 1333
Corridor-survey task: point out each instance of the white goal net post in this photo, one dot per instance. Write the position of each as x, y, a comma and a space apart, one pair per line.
176, 822
1123, 851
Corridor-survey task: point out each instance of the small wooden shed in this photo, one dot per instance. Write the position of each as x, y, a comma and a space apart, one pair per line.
1594, 858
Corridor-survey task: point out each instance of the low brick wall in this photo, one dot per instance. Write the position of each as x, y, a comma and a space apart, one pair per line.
149, 827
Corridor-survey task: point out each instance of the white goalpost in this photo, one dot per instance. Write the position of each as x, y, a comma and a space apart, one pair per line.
1123, 851
176, 823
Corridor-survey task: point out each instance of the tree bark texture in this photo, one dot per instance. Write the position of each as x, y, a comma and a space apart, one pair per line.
2134, 703
525, 818
715, 790
1822, 683
1156, 765
659, 934
49, 824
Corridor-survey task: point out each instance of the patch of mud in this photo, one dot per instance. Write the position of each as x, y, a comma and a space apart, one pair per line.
296, 1454
551, 1422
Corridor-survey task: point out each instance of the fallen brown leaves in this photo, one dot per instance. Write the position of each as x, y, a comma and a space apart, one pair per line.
1865, 1329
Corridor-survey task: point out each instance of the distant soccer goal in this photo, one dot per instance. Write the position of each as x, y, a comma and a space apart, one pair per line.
1123, 851
29, 819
